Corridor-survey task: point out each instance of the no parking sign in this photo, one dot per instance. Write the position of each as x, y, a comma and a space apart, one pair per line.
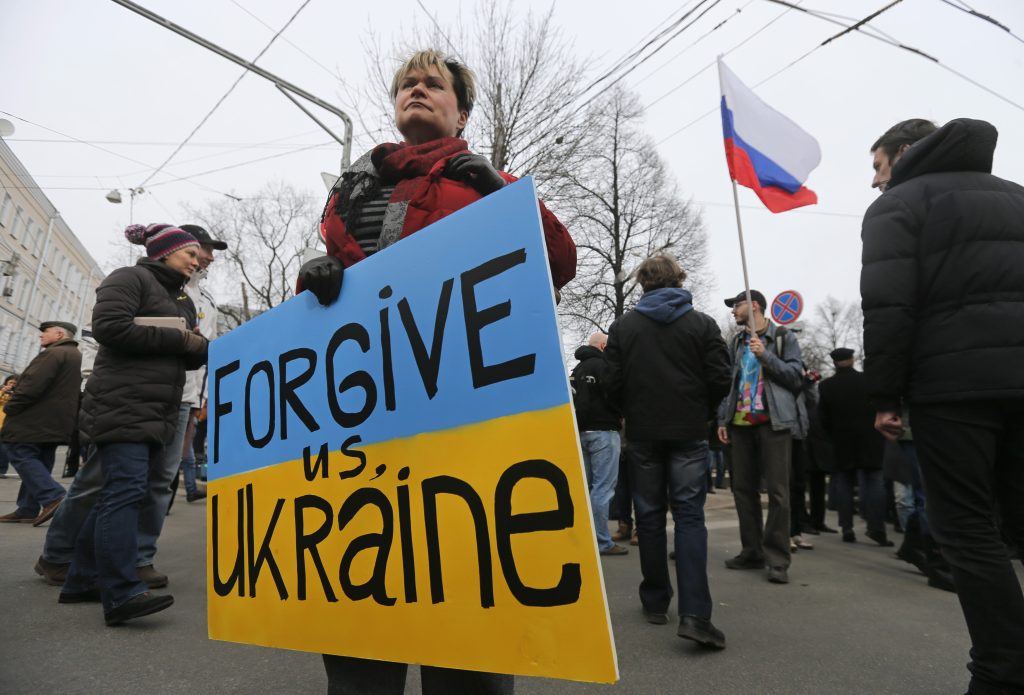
786, 307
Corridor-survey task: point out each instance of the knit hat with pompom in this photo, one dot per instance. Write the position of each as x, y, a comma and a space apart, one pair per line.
160, 240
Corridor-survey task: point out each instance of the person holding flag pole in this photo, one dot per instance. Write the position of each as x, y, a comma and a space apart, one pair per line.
770, 154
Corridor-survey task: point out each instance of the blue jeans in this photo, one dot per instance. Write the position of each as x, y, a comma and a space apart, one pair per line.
34, 463
601, 460
67, 523
188, 454
107, 546
716, 466
872, 498
163, 468
672, 474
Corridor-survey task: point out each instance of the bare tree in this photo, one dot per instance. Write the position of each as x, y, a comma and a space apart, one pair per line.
267, 236
834, 324
529, 85
622, 207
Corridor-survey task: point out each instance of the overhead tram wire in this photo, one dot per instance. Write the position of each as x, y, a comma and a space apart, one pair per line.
225, 96
910, 49
238, 164
693, 43
984, 17
645, 59
712, 64
110, 152
608, 74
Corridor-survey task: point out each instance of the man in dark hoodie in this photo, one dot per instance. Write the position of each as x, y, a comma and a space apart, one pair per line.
943, 299
599, 423
667, 370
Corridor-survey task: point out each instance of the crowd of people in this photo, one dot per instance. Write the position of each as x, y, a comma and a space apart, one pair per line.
668, 409
942, 297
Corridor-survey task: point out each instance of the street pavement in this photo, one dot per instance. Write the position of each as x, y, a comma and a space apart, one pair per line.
854, 619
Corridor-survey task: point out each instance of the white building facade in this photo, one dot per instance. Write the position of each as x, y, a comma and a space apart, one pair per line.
47, 273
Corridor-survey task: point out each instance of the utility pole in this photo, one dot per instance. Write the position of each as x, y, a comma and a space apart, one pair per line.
285, 87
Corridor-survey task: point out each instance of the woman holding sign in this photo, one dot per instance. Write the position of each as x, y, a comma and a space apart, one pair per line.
394, 190
143, 323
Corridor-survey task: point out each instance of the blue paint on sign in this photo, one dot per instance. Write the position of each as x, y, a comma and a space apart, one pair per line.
787, 307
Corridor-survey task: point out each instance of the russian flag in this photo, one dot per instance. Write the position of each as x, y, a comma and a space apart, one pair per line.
765, 150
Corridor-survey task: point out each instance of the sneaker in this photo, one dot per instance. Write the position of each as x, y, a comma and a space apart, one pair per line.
53, 573
742, 562
778, 575
152, 578
801, 543
616, 549
136, 607
701, 631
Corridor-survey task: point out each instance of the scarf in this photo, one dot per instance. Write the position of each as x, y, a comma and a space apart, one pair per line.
399, 164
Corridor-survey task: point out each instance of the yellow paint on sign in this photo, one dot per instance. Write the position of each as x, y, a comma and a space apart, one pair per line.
399, 567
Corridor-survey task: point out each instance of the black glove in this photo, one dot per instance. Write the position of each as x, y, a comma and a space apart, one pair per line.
322, 276
474, 170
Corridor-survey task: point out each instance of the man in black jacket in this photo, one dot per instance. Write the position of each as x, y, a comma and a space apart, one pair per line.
667, 370
40, 416
599, 423
943, 299
848, 419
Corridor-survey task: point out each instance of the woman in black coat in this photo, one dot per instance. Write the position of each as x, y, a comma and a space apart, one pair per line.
130, 408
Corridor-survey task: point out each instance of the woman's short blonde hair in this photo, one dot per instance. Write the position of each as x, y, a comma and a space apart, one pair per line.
458, 75
660, 271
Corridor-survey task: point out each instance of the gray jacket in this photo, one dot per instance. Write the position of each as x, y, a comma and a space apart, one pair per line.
783, 382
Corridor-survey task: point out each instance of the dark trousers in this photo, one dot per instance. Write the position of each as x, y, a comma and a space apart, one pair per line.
871, 494
816, 485
760, 452
672, 475
347, 675
797, 489
972, 459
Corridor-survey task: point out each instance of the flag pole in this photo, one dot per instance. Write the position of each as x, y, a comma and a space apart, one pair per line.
739, 229
743, 261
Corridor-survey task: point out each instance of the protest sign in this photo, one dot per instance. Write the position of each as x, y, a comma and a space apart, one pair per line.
397, 476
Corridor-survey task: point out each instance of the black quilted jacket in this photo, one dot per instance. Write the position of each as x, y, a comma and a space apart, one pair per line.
942, 283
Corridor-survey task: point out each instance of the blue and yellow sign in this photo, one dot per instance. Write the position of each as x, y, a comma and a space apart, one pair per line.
398, 476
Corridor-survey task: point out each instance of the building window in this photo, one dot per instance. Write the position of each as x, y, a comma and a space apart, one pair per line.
18, 212
4, 209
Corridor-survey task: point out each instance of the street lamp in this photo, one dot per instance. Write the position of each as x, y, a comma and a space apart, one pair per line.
115, 197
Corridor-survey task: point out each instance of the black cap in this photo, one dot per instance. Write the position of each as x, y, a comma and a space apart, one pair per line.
742, 297
840, 354
69, 327
203, 236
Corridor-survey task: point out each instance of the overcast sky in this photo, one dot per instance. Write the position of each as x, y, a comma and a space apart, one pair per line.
95, 71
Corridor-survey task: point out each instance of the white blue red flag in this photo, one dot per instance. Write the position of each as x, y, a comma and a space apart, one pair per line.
765, 150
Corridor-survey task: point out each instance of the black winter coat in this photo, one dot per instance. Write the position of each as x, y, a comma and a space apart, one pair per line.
667, 375
594, 412
848, 418
44, 403
942, 281
134, 391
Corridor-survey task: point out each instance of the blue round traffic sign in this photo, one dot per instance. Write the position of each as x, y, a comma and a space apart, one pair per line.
787, 306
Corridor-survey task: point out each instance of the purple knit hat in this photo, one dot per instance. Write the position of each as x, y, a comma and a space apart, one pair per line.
160, 240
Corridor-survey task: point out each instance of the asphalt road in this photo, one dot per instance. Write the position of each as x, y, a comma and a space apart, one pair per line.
854, 619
